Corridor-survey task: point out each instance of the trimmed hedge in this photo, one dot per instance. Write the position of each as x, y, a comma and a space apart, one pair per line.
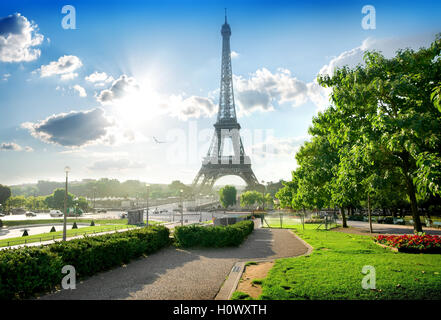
29, 270
219, 236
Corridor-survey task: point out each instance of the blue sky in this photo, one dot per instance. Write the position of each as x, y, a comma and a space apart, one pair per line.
157, 73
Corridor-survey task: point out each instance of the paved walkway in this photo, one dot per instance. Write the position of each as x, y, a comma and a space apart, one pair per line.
183, 274
379, 228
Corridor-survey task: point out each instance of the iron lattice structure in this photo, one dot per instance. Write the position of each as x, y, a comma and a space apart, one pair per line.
215, 164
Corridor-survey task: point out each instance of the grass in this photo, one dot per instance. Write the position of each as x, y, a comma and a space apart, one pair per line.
275, 223
59, 234
334, 271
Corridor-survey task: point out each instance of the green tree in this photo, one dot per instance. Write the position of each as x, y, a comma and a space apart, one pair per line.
250, 198
227, 196
5, 194
16, 202
56, 200
386, 106
82, 204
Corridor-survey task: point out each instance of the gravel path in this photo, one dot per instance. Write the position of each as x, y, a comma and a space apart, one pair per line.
183, 274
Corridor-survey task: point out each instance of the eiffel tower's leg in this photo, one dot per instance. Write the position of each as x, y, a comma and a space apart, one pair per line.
196, 179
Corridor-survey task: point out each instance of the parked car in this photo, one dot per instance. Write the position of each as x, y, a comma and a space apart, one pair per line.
102, 211
30, 214
2, 214
56, 213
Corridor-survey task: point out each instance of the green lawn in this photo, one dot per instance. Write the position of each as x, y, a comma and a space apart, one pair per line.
333, 271
290, 224
59, 234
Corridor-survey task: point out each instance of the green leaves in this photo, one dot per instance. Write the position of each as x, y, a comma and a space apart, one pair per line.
381, 131
227, 196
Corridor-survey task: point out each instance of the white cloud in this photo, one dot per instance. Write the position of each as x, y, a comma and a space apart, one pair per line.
116, 164
10, 146
64, 66
28, 149
387, 47
191, 107
263, 88
73, 129
6, 76
18, 36
234, 54
81, 91
273, 146
99, 78
120, 88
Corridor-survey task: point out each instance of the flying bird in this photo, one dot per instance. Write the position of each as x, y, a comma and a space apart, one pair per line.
157, 141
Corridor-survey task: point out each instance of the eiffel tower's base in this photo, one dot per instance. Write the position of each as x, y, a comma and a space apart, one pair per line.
209, 173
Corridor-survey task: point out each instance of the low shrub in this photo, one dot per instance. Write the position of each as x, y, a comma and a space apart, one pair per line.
355, 218
315, 220
412, 243
29, 270
210, 236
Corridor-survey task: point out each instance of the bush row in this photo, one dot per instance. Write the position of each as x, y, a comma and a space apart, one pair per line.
29, 270
209, 236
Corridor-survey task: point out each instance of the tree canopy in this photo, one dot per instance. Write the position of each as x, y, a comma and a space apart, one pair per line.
379, 139
227, 196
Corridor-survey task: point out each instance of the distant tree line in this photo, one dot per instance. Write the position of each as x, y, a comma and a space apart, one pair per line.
52, 201
104, 188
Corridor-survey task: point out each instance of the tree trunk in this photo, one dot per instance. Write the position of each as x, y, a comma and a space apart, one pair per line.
303, 218
343, 217
417, 227
369, 212
394, 212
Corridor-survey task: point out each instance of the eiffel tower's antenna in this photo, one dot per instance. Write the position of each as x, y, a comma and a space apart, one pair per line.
225, 15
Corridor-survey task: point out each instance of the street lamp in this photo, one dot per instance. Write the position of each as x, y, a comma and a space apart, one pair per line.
147, 209
66, 169
200, 209
182, 207
263, 194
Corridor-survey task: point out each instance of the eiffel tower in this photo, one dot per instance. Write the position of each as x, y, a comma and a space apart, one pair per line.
215, 164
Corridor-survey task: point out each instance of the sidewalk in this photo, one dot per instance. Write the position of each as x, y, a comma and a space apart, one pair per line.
180, 274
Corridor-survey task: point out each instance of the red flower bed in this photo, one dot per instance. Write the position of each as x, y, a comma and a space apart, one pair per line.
412, 243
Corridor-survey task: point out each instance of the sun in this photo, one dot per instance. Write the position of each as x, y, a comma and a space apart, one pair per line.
138, 106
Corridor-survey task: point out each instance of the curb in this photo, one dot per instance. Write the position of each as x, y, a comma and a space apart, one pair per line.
230, 285
387, 247
310, 248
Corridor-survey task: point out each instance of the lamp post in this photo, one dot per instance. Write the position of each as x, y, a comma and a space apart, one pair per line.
182, 207
200, 209
147, 208
263, 196
66, 169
